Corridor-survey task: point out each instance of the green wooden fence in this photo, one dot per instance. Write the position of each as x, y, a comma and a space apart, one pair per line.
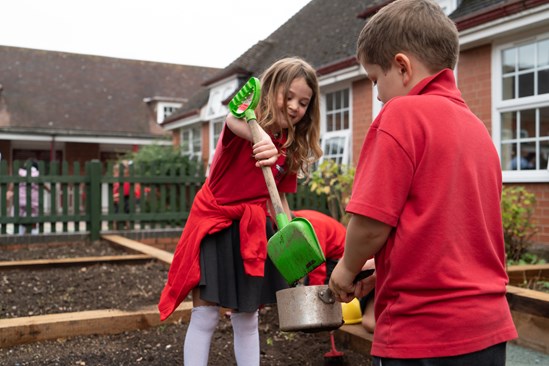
81, 198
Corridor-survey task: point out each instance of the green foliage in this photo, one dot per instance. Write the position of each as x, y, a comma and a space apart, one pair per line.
336, 182
543, 286
526, 258
152, 158
517, 206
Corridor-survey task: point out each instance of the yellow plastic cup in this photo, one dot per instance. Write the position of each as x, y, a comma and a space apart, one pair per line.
352, 314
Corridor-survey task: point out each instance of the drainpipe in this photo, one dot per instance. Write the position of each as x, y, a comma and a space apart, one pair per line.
52, 148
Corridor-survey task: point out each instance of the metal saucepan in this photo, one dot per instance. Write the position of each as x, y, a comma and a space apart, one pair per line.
310, 308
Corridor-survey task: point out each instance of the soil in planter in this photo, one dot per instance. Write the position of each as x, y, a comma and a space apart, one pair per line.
163, 345
25, 292
60, 250
51, 290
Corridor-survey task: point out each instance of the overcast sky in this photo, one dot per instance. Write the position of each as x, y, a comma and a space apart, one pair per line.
191, 32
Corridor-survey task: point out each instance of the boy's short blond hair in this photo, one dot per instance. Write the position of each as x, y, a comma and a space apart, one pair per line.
419, 27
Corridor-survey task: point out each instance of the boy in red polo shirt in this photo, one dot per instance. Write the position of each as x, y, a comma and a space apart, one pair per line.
426, 202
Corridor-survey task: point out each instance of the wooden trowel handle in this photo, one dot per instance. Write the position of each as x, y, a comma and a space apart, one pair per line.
267, 172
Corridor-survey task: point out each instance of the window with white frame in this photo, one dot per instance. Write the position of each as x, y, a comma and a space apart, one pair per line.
337, 131
191, 142
216, 126
164, 109
376, 103
521, 108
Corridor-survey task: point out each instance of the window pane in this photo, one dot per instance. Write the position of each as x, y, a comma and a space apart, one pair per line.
508, 61
508, 88
543, 81
507, 153
528, 156
525, 160
543, 53
330, 122
337, 122
508, 126
544, 153
185, 142
334, 146
197, 141
526, 85
345, 120
528, 123
337, 110
527, 57
544, 122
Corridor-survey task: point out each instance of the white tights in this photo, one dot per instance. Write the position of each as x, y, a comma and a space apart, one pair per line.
203, 322
246, 338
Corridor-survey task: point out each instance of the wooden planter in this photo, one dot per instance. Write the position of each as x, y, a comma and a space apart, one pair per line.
530, 309
14, 331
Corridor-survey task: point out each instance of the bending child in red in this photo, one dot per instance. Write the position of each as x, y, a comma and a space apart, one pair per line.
331, 237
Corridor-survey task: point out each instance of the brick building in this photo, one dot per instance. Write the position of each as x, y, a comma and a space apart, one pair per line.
503, 73
73, 107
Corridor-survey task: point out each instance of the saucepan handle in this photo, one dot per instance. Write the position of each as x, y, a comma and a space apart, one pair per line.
327, 296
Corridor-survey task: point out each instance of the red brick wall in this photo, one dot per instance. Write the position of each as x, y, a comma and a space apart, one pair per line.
362, 114
176, 137
205, 144
474, 81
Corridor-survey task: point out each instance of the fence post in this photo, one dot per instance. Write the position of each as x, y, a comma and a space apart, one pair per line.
94, 198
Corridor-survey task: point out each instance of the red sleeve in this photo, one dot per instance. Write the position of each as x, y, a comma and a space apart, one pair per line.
380, 158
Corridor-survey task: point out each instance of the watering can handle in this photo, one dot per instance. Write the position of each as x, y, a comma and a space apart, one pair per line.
281, 216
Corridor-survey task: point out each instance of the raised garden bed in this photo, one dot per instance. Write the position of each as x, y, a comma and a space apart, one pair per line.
102, 311
530, 308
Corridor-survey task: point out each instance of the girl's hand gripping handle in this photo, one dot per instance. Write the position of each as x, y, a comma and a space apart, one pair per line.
243, 105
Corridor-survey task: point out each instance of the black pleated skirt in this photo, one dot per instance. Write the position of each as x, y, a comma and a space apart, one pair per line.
222, 277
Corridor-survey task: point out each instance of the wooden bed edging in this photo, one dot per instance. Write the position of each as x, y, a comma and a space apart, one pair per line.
530, 311
355, 337
521, 273
159, 254
22, 330
73, 261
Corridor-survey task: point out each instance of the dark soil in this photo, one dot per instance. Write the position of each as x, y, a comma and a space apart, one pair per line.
48, 290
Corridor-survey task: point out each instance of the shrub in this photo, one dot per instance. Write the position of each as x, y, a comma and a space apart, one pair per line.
336, 182
517, 206
158, 159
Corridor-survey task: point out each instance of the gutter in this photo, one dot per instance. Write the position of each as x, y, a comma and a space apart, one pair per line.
76, 133
338, 65
189, 113
496, 12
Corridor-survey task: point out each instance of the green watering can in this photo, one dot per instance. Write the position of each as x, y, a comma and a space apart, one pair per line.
294, 249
